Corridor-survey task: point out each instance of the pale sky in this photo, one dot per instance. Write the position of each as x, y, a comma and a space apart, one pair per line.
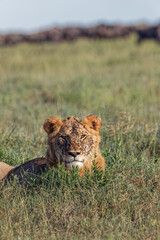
32, 15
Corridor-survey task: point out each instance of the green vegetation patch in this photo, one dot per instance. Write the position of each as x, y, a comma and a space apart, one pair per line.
118, 81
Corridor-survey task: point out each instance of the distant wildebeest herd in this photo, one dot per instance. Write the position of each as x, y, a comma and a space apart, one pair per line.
73, 33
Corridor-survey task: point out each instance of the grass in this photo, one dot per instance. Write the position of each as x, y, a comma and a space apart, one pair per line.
117, 80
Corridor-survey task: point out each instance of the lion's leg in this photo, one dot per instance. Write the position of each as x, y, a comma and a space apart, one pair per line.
100, 161
4, 169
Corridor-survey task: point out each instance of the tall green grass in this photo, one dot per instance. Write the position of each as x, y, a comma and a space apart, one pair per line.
117, 80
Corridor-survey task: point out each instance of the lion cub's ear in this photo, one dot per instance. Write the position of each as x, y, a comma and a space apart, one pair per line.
92, 123
52, 125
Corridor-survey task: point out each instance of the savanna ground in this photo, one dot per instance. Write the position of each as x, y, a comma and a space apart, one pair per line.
118, 81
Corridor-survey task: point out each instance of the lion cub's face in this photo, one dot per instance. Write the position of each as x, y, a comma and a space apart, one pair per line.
72, 141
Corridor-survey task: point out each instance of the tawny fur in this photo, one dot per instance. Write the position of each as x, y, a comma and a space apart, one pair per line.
72, 142
4, 169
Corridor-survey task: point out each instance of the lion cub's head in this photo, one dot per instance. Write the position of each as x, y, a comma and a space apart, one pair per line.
72, 141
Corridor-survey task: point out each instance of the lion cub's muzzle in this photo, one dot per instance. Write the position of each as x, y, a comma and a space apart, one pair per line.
74, 153
74, 159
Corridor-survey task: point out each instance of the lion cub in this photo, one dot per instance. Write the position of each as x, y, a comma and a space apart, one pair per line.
72, 142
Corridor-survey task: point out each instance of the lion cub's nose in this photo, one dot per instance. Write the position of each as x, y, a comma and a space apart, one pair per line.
74, 153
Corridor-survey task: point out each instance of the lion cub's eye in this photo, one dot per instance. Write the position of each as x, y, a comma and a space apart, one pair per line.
61, 139
83, 136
